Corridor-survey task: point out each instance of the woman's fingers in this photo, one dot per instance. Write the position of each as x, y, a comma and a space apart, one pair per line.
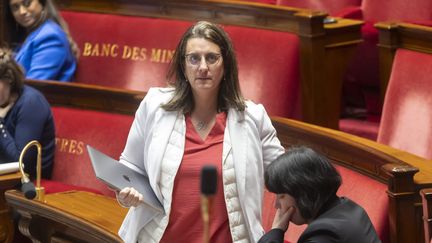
130, 197
282, 218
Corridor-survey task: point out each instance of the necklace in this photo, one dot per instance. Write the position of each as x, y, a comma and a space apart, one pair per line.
200, 125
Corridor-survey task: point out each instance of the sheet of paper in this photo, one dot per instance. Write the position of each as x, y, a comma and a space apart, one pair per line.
9, 168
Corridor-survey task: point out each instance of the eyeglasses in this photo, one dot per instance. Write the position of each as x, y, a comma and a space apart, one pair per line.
16, 6
195, 59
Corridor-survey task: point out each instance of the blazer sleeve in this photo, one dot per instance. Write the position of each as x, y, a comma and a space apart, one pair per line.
133, 153
273, 236
271, 145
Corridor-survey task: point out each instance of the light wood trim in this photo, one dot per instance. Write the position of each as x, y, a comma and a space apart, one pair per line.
395, 35
7, 181
73, 215
92, 97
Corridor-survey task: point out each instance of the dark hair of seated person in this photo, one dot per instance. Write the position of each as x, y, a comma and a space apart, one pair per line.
308, 177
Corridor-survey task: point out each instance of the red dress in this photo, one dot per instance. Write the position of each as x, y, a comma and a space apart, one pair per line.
185, 222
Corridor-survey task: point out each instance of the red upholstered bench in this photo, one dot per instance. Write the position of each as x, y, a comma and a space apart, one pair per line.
384, 180
86, 115
134, 53
76, 128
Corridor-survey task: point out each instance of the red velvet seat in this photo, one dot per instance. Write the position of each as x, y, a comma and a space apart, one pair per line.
367, 192
134, 53
406, 122
363, 73
76, 128
333, 7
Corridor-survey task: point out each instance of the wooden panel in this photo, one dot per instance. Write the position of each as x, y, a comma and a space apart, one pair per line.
394, 35
69, 216
91, 97
7, 181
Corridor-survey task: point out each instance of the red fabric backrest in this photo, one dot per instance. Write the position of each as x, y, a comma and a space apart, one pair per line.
134, 53
406, 122
403, 10
329, 6
368, 193
75, 129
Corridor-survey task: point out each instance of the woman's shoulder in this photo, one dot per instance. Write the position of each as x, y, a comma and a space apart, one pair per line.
255, 110
49, 30
157, 96
30, 95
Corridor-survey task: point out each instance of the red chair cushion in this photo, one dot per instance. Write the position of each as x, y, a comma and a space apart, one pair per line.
407, 113
76, 128
361, 128
134, 53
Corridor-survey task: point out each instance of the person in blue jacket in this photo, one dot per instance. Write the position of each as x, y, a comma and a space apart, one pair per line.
25, 115
42, 41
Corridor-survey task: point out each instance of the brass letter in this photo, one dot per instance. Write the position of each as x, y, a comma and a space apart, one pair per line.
127, 52
87, 49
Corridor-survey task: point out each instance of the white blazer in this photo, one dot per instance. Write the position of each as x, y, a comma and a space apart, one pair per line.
252, 142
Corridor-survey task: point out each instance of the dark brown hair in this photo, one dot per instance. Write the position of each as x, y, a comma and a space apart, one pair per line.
10, 71
229, 93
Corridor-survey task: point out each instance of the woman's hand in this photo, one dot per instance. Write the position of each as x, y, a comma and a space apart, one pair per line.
282, 218
129, 197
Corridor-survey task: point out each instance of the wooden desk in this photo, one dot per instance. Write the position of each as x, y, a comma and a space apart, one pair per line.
7, 182
72, 216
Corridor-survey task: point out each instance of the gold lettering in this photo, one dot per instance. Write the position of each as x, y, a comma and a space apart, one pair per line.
80, 148
170, 55
64, 144
95, 50
135, 52
69, 146
156, 55
72, 146
127, 52
87, 49
114, 49
161, 55
105, 50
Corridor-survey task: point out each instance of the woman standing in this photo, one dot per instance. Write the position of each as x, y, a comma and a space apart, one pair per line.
44, 46
203, 120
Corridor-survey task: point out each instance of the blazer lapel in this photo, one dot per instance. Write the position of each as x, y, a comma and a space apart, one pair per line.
164, 127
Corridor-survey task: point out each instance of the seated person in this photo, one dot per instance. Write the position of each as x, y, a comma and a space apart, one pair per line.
25, 115
44, 46
306, 184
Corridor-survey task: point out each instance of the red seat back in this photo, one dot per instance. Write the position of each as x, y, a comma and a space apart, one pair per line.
406, 122
365, 191
76, 128
387, 10
329, 6
134, 53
